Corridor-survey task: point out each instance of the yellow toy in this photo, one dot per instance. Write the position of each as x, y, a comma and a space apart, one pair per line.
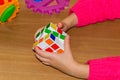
8, 10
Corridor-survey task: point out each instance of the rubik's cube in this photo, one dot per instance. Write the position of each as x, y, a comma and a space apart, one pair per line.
50, 38
8, 10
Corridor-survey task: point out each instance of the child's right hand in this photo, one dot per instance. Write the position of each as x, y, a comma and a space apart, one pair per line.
63, 62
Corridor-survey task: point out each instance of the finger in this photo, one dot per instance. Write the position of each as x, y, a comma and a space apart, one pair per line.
59, 25
67, 43
42, 59
42, 53
62, 26
46, 63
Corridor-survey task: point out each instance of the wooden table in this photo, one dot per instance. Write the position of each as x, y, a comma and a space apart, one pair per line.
17, 60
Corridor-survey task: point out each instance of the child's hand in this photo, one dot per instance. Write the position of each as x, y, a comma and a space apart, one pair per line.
68, 22
62, 61
63, 26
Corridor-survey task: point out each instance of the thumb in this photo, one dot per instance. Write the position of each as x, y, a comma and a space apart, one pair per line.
67, 44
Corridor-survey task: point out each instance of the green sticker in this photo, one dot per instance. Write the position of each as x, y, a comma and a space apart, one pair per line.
47, 30
42, 31
7, 13
62, 37
48, 25
38, 34
55, 34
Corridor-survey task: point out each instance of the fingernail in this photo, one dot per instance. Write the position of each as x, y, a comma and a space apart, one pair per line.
59, 24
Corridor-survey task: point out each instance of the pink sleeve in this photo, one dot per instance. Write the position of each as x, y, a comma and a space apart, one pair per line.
92, 11
105, 69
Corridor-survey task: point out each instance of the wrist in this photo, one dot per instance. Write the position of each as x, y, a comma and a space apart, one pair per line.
80, 70
70, 21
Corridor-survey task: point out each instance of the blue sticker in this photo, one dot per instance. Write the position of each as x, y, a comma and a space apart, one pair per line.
52, 37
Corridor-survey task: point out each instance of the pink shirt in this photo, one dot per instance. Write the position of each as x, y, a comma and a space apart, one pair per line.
92, 11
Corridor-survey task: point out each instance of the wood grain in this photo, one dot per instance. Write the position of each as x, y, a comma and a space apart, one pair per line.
17, 60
